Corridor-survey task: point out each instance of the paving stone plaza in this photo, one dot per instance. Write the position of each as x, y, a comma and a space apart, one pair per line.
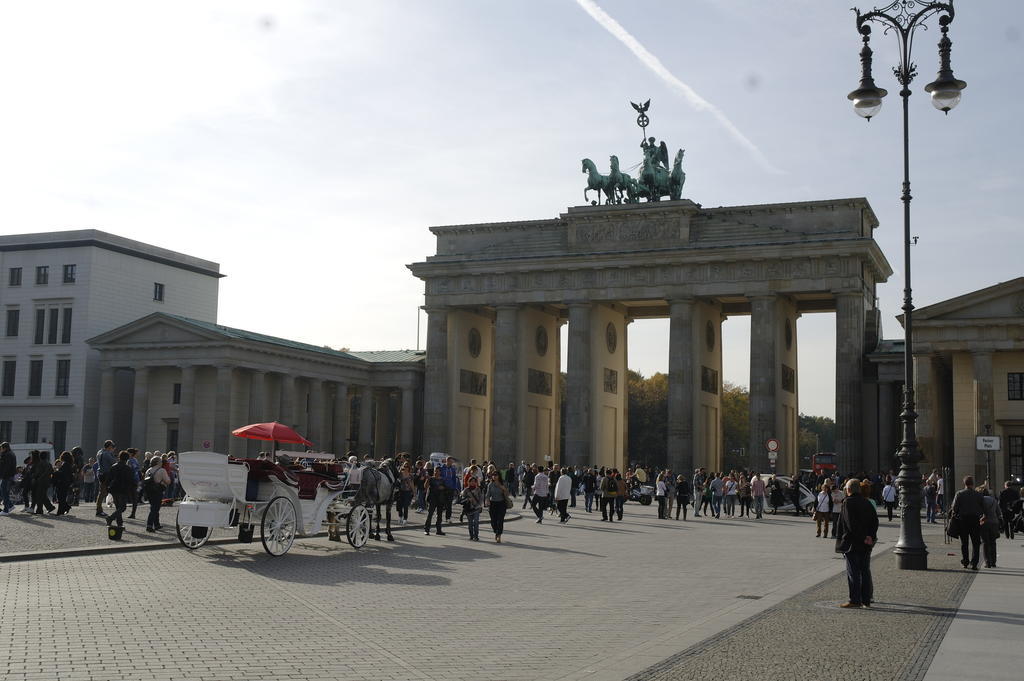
645, 599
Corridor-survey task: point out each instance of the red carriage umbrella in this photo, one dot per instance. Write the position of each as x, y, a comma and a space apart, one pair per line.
277, 432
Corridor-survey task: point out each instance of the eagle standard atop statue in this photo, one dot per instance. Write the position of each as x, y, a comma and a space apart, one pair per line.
656, 178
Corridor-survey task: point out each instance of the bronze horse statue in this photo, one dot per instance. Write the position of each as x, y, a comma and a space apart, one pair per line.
597, 182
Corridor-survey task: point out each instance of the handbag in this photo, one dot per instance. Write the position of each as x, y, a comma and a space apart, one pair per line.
954, 528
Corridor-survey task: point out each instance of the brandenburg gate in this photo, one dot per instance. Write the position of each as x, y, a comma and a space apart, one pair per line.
498, 293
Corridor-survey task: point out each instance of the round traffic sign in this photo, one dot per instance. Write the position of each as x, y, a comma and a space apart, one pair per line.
772, 445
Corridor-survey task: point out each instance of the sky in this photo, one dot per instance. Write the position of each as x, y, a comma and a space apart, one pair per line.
307, 146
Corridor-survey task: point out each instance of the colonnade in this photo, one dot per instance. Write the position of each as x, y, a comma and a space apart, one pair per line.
196, 406
489, 374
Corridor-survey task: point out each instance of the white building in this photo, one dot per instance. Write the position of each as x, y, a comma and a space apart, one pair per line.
59, 289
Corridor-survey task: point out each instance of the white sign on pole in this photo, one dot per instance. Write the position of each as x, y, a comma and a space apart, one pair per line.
988, 443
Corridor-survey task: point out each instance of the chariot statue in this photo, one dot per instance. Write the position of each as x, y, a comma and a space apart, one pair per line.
656, 178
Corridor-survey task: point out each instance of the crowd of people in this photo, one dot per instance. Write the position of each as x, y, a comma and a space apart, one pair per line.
119, 479
114, 479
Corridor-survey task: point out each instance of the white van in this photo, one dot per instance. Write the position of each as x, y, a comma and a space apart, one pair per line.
21, 451
438, 459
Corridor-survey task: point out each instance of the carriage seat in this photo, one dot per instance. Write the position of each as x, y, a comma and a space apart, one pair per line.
261, 470
311, 481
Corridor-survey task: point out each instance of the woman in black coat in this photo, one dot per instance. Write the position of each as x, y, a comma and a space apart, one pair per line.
63, 479
41, 473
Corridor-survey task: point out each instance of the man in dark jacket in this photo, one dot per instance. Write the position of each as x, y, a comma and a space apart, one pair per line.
967, 507
857, 534
121, 485
8, 469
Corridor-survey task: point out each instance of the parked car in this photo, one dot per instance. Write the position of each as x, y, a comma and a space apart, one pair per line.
807, 496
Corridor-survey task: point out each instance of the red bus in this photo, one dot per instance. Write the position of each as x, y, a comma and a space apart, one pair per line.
823, 463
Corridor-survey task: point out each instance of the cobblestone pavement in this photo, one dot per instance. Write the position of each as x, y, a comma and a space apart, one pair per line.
913, 611
583, 600
22, 532
27, 533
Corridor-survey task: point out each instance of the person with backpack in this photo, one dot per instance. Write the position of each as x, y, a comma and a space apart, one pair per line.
609, 490
682, 496
41, 480
889, 497
8, 469
472, 504
63, 478
120, 485
562, 494
154, 484
105, 459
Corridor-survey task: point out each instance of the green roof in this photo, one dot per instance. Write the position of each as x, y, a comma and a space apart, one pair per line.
385, 356
242, 334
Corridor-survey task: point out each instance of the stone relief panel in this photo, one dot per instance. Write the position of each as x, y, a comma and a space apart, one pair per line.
472, 382
539, 382
709, 380
611, 381
629, 232
788, 379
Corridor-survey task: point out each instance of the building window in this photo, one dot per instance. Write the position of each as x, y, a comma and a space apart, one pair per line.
60, 436
172, 437
14, 278
69, 274
1016, 451
63, 377
5, 431
40, 334
42, 278
158, 292
1015, 386
65, 326
51, 331
176, 394
10, 371
31, 431
13, 319
35, 379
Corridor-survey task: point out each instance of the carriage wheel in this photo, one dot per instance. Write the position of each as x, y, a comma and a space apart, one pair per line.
357, 526
192, 537
278, 527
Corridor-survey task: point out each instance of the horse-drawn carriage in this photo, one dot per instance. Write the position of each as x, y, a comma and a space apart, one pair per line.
226, 492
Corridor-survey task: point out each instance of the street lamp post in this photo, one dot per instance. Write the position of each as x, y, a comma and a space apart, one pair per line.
903, 18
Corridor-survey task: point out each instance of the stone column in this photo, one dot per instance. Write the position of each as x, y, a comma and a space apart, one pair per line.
436, 391
140, 408
382, 442
287, 412
341, 418
408, 419
888, 414
578, 446
505, 408
365, 420
222, 410
315, 432
257, 404
764, 324
849, 380
925, 405
984, 413
681, 385
106, 405
187, 409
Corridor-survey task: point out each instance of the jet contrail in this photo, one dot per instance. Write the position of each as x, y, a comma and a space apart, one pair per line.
654, 64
